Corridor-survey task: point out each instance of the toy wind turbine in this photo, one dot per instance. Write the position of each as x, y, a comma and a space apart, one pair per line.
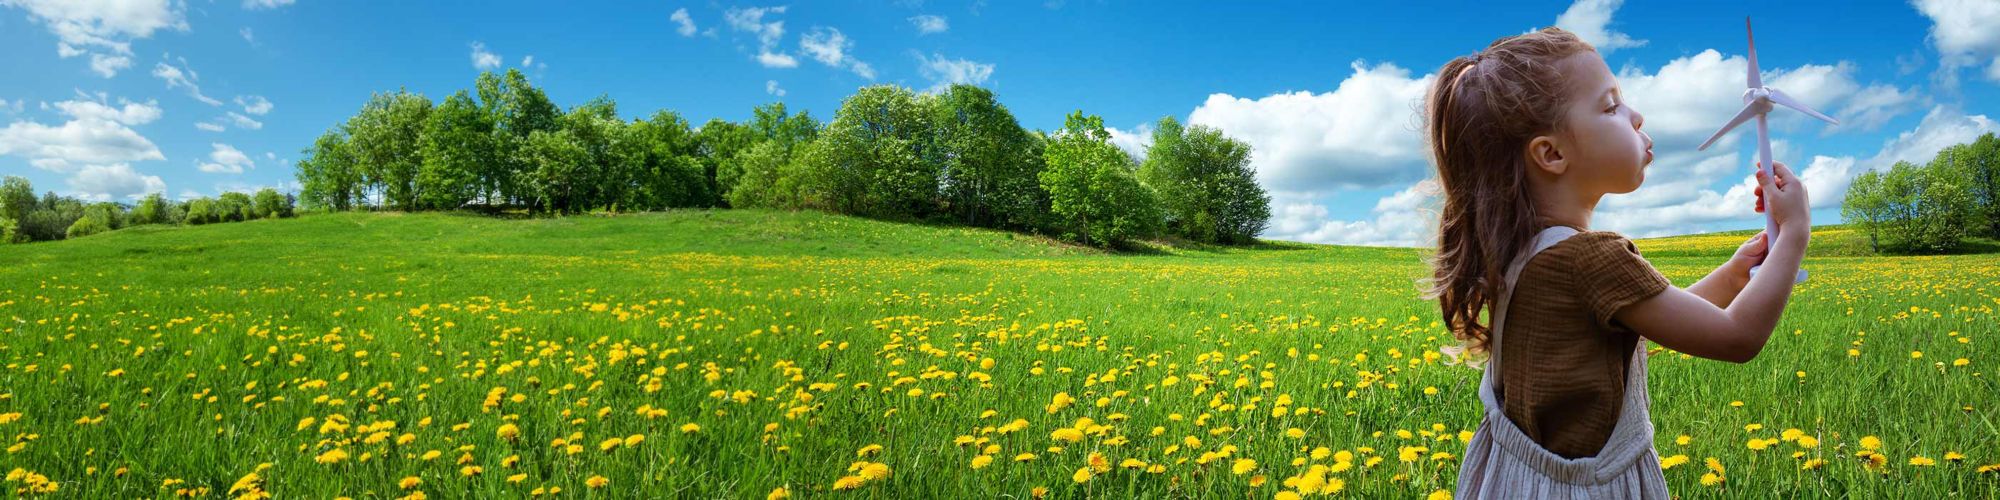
1758, 100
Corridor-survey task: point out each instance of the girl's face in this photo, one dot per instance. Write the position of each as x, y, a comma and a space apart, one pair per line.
1605, 152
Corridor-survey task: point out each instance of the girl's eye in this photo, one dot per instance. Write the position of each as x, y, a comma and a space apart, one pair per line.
1612, 109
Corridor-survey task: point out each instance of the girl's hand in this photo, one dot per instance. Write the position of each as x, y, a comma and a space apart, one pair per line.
1751, 253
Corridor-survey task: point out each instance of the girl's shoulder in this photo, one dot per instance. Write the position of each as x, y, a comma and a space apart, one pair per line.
1606, 271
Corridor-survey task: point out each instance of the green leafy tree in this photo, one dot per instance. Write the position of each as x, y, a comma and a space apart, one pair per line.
111, 214
268, 203
1093, 193
1983, 166
671, 174
457, 144
329, 175
154, 209
201, 211
717, 143
556, 157
1866, 205
235, 207
386, 138
766, 179
517, 109
86, 226
1207, 189
17, 197
875, 158
50, 218
989, 165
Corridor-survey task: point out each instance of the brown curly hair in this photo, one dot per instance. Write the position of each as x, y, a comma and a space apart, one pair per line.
1480, 114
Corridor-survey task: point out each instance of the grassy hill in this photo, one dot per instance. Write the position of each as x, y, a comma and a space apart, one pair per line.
749, 351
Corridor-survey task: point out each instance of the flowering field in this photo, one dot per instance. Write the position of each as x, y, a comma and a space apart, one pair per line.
752, 354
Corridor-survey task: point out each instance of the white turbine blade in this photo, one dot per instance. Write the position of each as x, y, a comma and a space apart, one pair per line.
1755, 81
1749, 110
1780, 98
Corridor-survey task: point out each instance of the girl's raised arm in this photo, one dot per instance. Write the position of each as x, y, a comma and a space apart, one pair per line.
1688, 323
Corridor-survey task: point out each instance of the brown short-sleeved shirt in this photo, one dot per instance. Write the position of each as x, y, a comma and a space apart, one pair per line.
1563, 357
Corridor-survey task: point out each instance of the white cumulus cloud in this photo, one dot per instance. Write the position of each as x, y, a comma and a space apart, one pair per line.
943, 72
1965, 34
1362, 134
102, 29
751, 20
254, 104
928, 24
482, 59
832, 48
97, 133
114, 181
183, 77
684, 24
225, 159
1591, 21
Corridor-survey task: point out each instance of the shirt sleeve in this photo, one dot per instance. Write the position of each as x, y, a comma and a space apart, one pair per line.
1611, 275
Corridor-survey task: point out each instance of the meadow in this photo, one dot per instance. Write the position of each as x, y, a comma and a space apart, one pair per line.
752, 354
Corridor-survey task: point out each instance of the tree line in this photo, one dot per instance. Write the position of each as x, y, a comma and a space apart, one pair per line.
1930, 208
25, 217
956, 156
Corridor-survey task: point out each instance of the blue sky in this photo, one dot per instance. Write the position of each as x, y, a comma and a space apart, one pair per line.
110, 99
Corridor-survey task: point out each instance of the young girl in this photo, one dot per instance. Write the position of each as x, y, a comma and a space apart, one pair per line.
1528, 135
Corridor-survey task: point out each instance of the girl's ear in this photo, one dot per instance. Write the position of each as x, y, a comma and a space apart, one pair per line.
1545, 154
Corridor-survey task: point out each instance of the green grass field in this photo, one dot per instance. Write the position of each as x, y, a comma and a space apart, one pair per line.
733, 353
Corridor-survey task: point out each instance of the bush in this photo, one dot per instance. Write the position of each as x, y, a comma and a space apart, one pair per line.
87, 226
269, 204
201, 211
152, 210
234, 207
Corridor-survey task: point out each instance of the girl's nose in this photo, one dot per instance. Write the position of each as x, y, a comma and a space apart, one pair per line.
1638, 120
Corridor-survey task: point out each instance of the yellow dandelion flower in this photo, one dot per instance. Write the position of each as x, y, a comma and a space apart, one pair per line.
1672, 461
1067, 435
1082, 475
1922, 461
1439, 495
1243, 466
409, 482
869, 450
596, 482
690, 428
508, 432
332, 456
780, 493
875, 471
471, 470
980, 462
1871, 443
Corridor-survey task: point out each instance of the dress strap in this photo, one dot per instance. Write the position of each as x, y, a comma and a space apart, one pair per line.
1489, 380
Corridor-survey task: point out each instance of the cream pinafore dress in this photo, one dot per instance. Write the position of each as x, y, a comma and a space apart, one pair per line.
1502, 462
